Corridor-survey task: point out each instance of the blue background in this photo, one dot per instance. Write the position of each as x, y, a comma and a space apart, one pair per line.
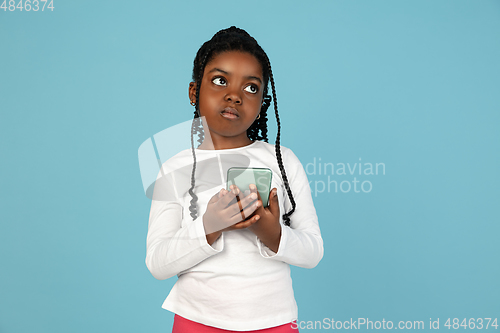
411, 84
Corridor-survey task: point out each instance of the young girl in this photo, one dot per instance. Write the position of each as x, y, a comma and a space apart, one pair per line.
231, 254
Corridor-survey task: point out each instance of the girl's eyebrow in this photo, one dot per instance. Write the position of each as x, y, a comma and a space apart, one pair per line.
250, 77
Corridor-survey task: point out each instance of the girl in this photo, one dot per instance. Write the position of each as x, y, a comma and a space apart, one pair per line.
233, 260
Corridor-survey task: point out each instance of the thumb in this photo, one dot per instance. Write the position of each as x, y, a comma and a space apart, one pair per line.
215, 197
274, 206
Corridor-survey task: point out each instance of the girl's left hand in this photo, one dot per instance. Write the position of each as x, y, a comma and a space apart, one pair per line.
268, 227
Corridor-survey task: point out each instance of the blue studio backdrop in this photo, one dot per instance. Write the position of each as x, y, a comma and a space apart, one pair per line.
391, 106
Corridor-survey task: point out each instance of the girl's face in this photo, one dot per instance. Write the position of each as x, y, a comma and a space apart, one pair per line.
230, 97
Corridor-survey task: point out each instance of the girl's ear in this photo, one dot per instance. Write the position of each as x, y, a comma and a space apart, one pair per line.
192, 91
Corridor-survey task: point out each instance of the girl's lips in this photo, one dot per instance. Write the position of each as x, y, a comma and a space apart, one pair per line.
230, 113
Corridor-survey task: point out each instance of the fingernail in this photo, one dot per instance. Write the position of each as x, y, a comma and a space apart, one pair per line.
257, 217
252, 187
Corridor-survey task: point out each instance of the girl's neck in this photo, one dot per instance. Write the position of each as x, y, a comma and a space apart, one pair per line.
226, 143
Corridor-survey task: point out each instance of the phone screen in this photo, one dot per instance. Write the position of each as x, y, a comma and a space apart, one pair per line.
243, 177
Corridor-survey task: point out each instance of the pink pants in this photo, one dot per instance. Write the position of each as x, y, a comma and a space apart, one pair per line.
183, 325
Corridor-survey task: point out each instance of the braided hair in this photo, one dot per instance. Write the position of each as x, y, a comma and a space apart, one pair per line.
235, 39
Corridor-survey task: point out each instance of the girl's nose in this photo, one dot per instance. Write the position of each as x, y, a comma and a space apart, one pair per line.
233, 96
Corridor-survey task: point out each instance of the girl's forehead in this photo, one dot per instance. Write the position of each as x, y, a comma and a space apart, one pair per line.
235, 61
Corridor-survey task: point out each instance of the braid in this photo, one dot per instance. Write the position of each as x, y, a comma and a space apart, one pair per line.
286, 216
235, 39
196, 127
261, 123
194, 197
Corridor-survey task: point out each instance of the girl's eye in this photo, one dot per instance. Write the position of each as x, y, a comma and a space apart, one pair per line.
220, 81
252, 89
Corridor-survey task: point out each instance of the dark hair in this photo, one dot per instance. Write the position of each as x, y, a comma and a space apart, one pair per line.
235, 39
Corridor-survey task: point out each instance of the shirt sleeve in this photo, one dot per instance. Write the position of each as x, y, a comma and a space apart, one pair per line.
301, 243
172, 247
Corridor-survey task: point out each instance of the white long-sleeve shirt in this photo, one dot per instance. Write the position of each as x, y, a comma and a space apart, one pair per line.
237, 283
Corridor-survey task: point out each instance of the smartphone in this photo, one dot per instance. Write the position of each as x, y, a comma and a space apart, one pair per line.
243, 177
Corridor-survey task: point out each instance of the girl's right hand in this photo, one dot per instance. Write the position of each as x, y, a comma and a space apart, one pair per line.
229, 210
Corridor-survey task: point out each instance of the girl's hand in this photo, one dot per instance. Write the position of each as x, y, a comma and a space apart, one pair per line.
268, 228
229, 210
